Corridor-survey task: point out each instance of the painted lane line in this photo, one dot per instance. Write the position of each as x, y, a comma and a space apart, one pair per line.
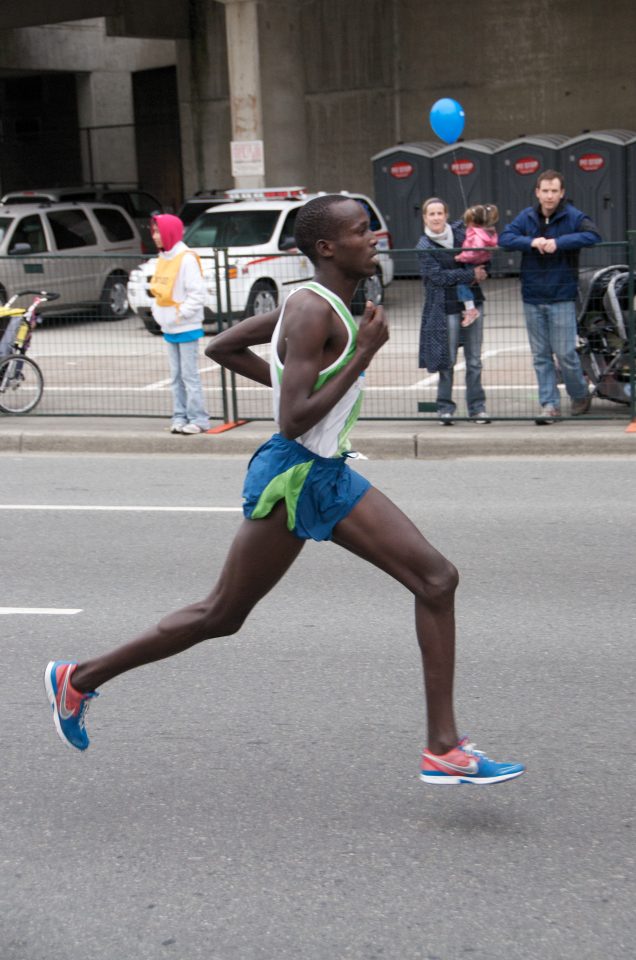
50, 611
486, 354
122, 509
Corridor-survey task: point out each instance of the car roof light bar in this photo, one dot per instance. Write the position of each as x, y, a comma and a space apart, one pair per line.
267, 193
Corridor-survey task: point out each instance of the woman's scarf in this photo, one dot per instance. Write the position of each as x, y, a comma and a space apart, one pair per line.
445, 238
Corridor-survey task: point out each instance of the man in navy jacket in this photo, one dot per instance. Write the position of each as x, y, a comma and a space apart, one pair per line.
550, 236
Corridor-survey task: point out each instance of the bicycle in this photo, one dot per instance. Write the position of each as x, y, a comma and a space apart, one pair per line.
21, 380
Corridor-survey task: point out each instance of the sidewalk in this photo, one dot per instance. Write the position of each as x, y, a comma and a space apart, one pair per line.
412, 439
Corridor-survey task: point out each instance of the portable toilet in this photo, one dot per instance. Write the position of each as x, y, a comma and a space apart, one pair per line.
630, 150
402, 179
516, 166
595, 168
463, 174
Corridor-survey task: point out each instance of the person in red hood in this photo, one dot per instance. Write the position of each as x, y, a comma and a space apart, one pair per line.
178, 289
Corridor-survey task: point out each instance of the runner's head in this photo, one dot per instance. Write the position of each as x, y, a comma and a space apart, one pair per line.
316, 221
335, 233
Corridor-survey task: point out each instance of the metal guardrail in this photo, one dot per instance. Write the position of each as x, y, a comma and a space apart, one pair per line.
98, 367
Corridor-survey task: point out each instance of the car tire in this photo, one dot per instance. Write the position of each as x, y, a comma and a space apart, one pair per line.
263, 298
113, 303
152, 326
369, 289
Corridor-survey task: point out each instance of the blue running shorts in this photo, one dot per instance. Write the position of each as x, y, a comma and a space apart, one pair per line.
319, 492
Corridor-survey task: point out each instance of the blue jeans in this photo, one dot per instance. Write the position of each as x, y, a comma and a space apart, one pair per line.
552, 333
465, 293
185, 383
470, 339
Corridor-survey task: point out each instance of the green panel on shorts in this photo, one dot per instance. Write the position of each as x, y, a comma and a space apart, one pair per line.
286, 486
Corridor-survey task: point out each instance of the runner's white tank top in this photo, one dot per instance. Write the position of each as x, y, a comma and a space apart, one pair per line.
330, 436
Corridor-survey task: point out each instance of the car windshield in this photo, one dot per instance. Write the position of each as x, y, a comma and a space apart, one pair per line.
5, 223
236, 228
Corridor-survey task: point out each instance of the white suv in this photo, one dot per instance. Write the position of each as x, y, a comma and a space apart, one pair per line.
83, 251
262, 264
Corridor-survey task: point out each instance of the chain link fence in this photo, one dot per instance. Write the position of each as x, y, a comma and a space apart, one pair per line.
99, 358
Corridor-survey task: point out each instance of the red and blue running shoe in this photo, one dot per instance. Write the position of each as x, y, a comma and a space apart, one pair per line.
466, 764
68, 704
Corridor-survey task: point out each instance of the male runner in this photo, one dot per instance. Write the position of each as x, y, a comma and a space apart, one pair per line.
299, 487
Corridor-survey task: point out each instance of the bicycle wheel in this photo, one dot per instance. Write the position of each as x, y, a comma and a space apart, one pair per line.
21, 384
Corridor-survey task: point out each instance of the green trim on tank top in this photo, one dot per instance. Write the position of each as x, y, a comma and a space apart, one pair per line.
345, 315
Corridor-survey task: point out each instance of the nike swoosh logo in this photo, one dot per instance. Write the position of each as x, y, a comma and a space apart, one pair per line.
64, 712
471, 767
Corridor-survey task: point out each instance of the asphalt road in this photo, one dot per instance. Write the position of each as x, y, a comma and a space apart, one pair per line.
257, 798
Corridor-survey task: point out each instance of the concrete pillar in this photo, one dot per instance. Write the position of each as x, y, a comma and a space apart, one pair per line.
106, 122
246, 100
264, 53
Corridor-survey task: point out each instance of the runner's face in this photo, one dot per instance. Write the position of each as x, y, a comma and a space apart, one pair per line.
435, 217
549, 194
354, 248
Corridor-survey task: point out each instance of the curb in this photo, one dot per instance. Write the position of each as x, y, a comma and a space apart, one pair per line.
403, 441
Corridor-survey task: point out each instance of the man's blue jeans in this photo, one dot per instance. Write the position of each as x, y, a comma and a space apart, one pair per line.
552, 333
187, 395
470, 339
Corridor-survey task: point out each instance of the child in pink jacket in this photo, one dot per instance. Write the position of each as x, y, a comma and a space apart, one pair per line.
480, 223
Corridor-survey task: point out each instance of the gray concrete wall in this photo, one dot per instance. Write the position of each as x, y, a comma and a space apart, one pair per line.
539, 66
341, 81
373, 69
350, 89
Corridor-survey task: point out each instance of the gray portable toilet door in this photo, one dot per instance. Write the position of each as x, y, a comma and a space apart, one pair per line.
594, 173
463, 174
402, 180
403, 205
630, 151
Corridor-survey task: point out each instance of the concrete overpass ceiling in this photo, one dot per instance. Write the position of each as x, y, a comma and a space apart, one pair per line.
151, 20
143, 19
37, 13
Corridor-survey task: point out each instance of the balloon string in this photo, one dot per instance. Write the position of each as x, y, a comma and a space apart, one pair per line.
461, 185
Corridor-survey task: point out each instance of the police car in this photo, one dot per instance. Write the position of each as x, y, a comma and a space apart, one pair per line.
259, 263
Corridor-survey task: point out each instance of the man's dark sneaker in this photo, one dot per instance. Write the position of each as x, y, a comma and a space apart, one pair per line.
579, 407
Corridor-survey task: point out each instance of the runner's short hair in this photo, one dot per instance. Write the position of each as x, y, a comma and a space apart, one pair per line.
315, 222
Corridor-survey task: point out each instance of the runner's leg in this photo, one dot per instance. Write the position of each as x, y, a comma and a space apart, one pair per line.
379, 532
262, 551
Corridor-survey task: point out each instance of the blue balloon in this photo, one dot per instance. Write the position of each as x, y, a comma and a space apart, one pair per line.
447, 119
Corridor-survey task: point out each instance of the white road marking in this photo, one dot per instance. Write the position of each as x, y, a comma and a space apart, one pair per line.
462, 366
162, 384
121, 509
51, 611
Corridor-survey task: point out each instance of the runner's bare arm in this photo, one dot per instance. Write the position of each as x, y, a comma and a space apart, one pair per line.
307, 334
231, 347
